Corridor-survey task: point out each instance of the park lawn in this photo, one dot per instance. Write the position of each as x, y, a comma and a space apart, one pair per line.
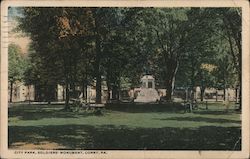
130, 127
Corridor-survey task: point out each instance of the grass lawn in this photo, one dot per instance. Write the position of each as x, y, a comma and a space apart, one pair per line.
125, 127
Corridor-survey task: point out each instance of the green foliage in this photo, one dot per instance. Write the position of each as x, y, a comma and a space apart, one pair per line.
78, 46
208, 42
17, 63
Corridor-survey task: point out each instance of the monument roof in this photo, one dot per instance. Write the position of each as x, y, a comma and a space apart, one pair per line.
147, 77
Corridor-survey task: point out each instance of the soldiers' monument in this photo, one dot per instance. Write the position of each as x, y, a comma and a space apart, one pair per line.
148, 93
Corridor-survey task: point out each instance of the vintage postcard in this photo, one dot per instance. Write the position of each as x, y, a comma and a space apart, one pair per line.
124, 79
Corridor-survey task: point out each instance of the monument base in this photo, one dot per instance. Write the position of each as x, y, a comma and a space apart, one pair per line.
147, 95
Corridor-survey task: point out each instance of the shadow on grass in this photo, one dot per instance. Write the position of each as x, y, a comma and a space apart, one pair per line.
215, 112
145, 108
200, 119
37, 112
122, 137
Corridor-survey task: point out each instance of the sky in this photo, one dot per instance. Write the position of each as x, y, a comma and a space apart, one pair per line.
17, 37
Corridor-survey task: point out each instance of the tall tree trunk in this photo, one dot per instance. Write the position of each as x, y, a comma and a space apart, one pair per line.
172, 69
49, 93
98, 57
83, 90
236, 95
224, 94
97, 71
108, 97
87, 95
240, 106
76, 95
29, 94
240, 95
11, 90
169, 90
67, 71
63, 93
67, 97
119, 90
115, 93
73, 90
202, 88
216, 95
98, 89
193, 80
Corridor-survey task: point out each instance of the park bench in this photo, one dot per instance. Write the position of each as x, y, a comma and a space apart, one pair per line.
78, 104
189, 106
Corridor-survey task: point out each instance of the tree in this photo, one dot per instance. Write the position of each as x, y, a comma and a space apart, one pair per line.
86, 46
161, 35
207, 43
17, 66
225, 74
58, 45
232, 19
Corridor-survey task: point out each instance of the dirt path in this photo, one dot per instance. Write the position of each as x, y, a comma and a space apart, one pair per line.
44, 145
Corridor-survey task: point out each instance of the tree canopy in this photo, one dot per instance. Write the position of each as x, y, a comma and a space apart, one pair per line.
186, 47
17, 66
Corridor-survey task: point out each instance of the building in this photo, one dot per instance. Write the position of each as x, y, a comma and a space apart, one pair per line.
22, 93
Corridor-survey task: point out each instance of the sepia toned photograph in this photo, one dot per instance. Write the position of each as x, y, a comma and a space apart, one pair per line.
125, 78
